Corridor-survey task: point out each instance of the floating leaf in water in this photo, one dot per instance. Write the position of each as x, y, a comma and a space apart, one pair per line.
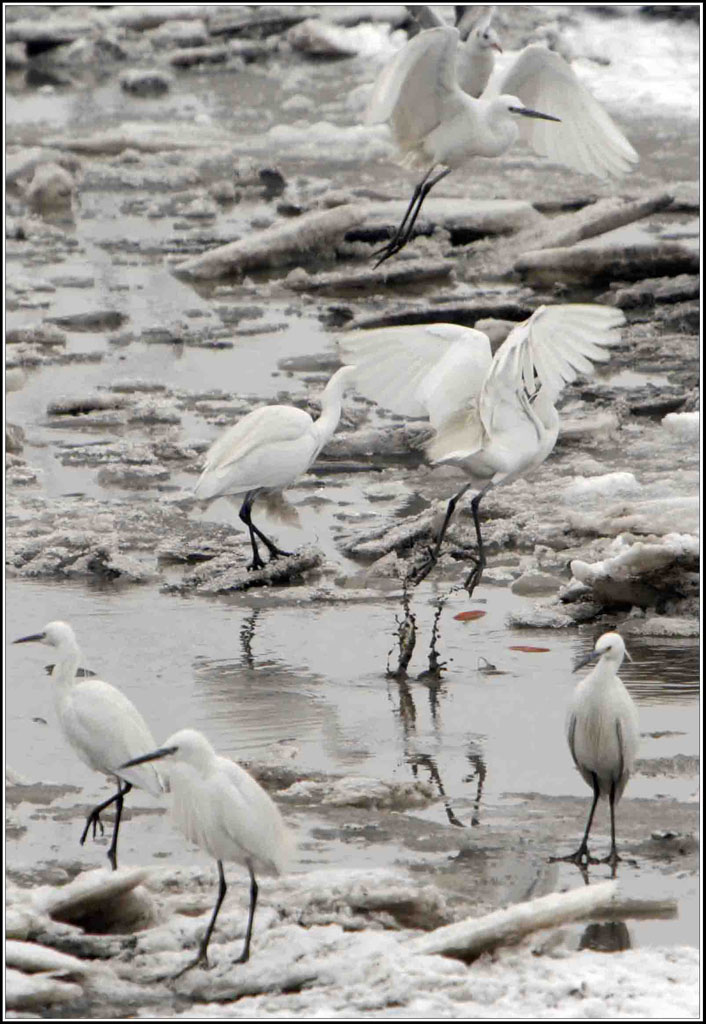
468, 616
530, 650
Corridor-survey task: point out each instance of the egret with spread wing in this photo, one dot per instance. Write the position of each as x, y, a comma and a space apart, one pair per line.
437, 124
493, 417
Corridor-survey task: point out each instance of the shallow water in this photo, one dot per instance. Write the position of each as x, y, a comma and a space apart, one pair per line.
296, 682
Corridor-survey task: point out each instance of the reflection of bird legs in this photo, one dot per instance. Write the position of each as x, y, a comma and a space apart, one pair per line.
247, 632
245, 515
94, 821
404, 231
431, 767
479, 772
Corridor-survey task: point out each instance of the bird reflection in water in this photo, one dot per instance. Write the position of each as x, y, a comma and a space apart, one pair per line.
606, 937
477, 773
426, 761
247, 634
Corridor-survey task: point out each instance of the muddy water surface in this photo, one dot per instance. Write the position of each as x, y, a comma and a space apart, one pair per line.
268, 676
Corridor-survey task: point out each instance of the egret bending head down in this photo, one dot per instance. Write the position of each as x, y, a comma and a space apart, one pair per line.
221, 808
602, 732
101, 724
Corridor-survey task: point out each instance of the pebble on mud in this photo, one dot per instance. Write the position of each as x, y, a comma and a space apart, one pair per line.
51, 188
146, 81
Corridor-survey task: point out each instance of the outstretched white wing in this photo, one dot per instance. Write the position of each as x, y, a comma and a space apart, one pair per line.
432, 370
587, 140
412, 87
545, 352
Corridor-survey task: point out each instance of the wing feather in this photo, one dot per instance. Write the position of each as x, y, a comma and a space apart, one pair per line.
433, 370
411, 89
548, 350
587, 139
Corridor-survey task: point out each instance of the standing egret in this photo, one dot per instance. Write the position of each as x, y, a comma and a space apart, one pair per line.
267, 450
494, 417
436, 123
222, 809
100, 723
602, 731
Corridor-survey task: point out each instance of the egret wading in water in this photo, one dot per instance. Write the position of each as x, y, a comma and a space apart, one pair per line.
436, 123
221, 808
493, 417
266, 451
101, 724
602, 731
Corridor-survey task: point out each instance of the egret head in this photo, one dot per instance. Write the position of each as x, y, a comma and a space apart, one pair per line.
485, 38
482, 36
610, 647
186, 746
55, 634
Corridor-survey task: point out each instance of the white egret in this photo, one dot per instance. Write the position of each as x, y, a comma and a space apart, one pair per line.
494, 418
436, 123
474, 57
100, 723
602, 731
267, 450
221, 808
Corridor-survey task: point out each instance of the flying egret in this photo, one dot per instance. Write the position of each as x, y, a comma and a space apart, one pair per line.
100, 723
602, 731
436, 123
493, 417
266, 451
221, 808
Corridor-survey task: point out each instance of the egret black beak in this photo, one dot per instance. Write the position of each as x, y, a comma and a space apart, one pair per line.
35, 637
593, 656
496, 46
162, 752
526, 112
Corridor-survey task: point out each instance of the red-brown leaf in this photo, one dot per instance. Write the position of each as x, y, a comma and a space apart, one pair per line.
469, 616
530, 650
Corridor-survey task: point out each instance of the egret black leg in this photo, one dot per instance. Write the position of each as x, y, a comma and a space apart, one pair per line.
387, 248
202, 957
245, 955
476, 574
94, 821
433, 553
612, 857
113, 848
245, 516
582, 854
404, 232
